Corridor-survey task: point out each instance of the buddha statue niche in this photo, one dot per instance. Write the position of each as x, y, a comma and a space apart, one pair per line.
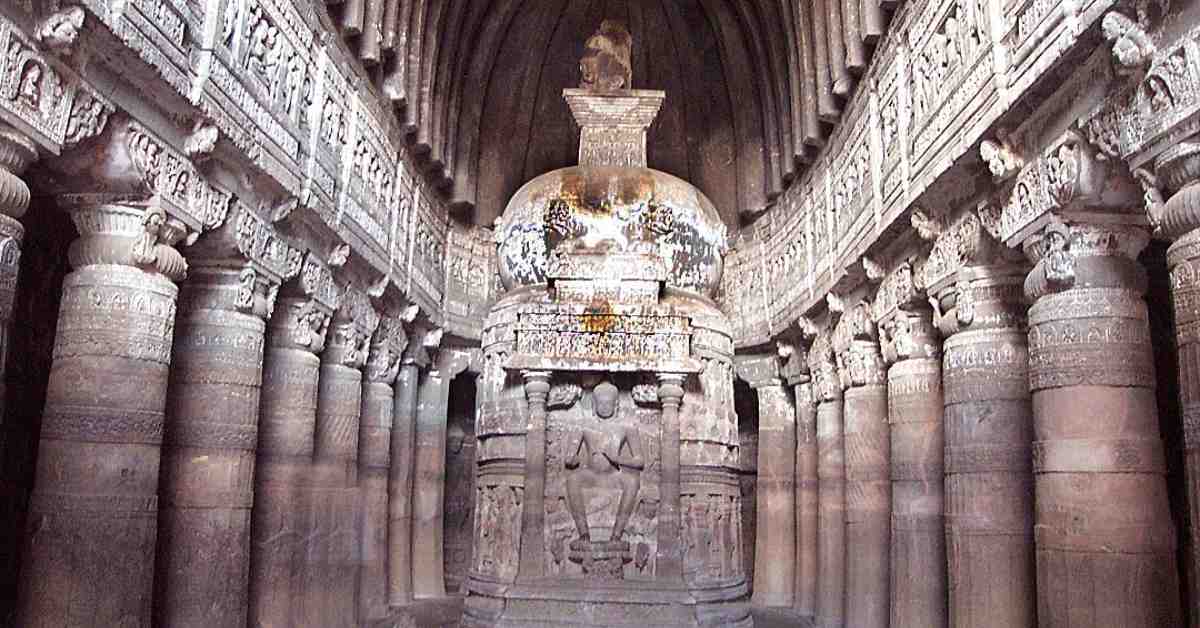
606, 454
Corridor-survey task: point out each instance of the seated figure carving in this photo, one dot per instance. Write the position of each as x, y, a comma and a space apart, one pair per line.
605, 451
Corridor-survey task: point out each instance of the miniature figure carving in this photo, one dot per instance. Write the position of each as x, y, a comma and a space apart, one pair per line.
153, 246
599, 455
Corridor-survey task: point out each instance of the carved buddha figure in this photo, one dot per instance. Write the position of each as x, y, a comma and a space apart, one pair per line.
605, 452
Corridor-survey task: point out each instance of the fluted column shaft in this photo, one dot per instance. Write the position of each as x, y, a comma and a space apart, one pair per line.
1105, 540
868, 493
90, 538
331, 583
775, 501
806, 500
918, 562
207, 475
1179, 218
400, 485
988, 432
429, 489
831, 508
374, 463
288, 417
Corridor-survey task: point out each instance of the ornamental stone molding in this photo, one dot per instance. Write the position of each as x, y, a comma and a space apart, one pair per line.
353, 326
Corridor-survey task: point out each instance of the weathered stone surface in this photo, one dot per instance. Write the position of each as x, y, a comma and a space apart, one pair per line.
90, 537
1102, 517
989, 485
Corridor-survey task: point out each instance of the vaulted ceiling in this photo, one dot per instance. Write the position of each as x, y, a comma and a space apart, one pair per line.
752, 85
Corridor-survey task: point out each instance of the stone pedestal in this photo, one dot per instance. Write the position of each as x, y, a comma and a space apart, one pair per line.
400, 484
90, 538
288, 416
989, 431
374, 464
806, 500
1105, 540
918, 562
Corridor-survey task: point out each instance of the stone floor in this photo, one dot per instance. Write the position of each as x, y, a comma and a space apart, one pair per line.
444, 614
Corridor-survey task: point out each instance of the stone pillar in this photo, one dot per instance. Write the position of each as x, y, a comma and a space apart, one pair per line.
533, 514
400, 478
831, 487
868, 468
90, 537
806, 498
374, 464
918, 561
1179, 219
1105, 540
16, 153
430, 476
670, 561
988, 432
331, 588
775, 560
288, 417
207, 475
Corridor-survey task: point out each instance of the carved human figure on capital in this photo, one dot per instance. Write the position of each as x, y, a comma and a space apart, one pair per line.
598, 457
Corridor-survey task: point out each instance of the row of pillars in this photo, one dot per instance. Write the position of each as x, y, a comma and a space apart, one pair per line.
989, 463
205, 459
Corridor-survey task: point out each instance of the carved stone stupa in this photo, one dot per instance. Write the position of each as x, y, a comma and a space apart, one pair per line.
607, 439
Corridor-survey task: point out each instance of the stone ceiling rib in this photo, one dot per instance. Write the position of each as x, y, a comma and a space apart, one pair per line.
748, 74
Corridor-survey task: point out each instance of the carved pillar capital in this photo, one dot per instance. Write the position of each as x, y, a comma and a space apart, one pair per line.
138, 235
822, 364
537, 385
759, 371
387, 348
1092, 253
16, 153
239, 267
302, 317
856, 343
1169, 189
352, 327
670, 389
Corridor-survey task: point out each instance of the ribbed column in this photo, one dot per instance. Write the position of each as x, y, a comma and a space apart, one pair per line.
430, 479
988, 432
831, 488
775, 493
287, 430
918, 562
207, 475
208, 456
90, 537
16, 153
374, 463
400, 482
331, 583
868, 461
806, 499
1178, 170
1105, 540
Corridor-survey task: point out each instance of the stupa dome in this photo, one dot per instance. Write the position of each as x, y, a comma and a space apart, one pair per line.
614, 210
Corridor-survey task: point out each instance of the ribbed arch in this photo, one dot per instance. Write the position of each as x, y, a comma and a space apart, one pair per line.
477, 84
